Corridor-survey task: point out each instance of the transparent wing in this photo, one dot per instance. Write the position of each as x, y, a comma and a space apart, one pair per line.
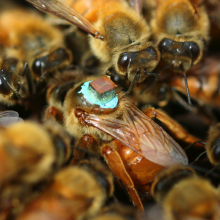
136, 5
61, 10
9, 117
144, 136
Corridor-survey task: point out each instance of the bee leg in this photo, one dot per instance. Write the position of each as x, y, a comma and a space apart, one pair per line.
53, 114
174, 127
83, 146
30, 81
117, 167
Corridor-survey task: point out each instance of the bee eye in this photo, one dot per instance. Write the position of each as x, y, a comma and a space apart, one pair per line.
193, 47
165, 43
123, 62
216, 150
37, 66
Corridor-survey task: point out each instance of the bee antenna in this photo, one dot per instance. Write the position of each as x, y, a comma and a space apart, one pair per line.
197, 158
187, 88
132, 83
191, 145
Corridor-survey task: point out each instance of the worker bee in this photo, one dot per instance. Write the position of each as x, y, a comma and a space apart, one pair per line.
184, 195
112, 126
120, 34
31, 48
76, 192
181, 35
29, 154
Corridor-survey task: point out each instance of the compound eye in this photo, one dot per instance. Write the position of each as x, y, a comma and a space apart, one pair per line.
123, 62
193, 47
165, 43
37, 66
216, 150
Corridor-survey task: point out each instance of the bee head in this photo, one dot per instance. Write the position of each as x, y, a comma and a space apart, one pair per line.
144, 60
181, 55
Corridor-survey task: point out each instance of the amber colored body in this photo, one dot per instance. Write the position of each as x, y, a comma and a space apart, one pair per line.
134, 164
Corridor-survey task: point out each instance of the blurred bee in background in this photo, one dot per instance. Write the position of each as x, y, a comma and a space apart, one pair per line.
184, 195
120, 35
76, 192
213, 145
123, 135
30, 48
30, 154
118, 211
181, 33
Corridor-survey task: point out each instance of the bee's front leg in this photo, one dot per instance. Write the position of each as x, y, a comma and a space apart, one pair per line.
117, 167
86, 144
52, 113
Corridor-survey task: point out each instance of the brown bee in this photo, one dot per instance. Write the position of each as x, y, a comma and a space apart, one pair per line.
29, 154
127, 139
120, 34
30, 48
181, 34
184, 195
76, 192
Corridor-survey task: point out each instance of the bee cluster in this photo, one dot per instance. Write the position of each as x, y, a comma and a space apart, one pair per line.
90, 125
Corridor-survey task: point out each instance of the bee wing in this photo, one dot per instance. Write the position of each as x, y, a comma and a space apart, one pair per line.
9, 117
136, 5
61, 10
144, 136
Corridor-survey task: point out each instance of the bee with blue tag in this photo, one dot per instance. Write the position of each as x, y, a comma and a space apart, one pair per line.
104, 121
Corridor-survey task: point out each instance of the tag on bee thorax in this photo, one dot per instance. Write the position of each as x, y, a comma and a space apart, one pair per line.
101, 91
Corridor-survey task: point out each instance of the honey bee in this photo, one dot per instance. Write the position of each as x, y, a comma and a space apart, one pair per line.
30, 48
29, 154
76, 192
122, 134
181, 35
120, 35
184, 195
